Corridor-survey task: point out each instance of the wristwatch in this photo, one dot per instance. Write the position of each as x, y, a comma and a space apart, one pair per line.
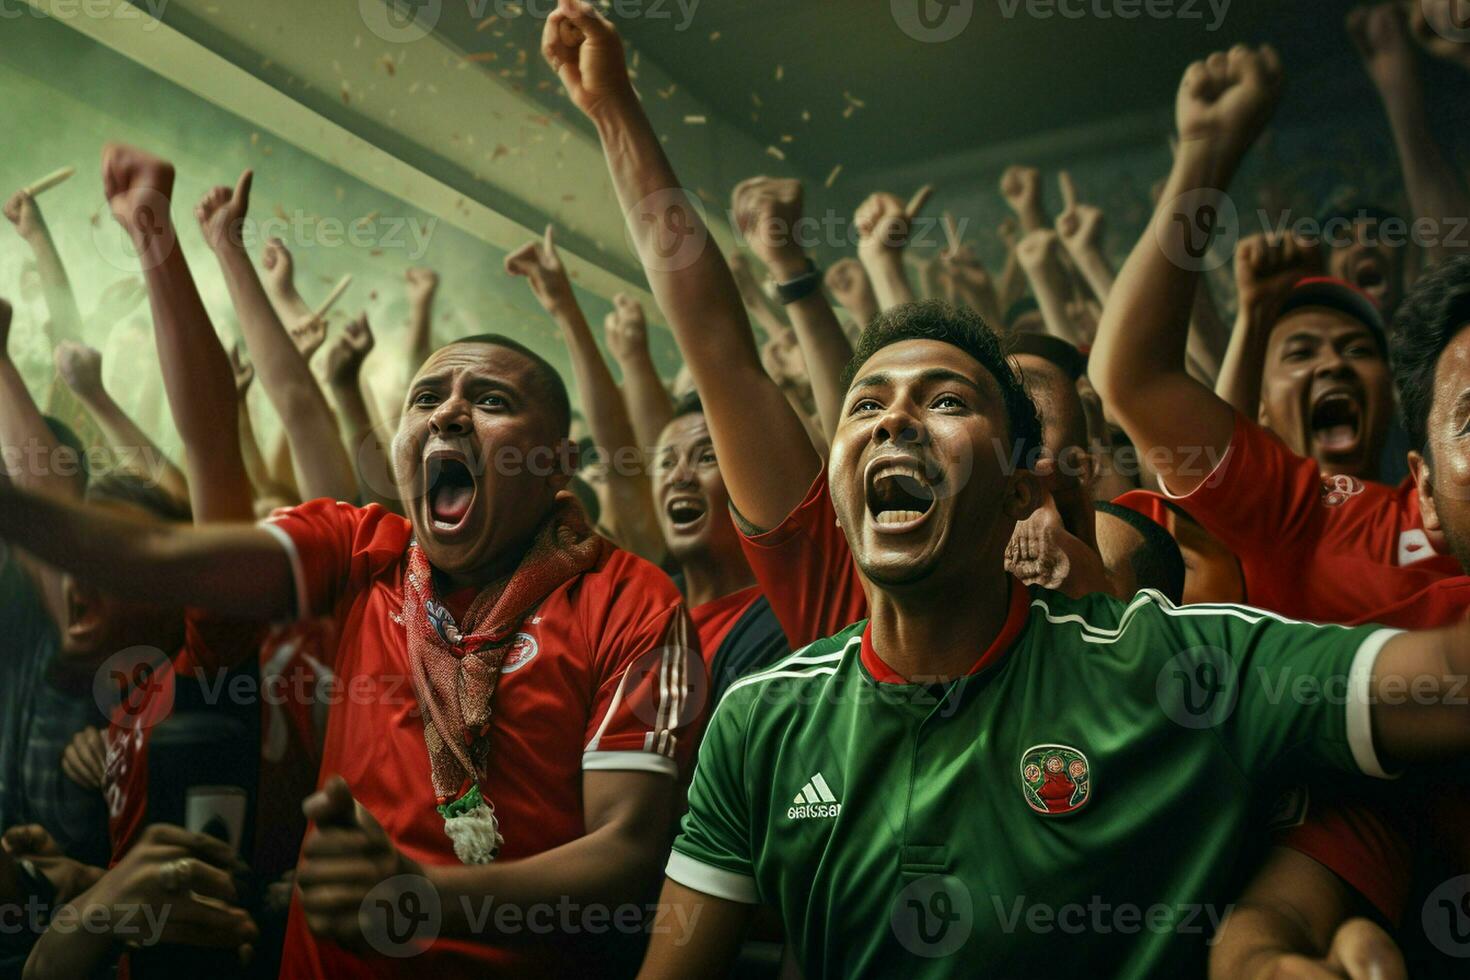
801, 287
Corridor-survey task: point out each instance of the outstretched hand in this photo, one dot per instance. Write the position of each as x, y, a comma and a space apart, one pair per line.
222, 213
539, 263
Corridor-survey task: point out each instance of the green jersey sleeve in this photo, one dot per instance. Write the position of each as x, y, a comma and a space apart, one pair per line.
1272, 688
712, 853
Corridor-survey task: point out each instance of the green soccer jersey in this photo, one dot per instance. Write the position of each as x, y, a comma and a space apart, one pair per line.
1076, 807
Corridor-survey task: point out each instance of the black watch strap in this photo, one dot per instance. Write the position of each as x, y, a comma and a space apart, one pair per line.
801, 287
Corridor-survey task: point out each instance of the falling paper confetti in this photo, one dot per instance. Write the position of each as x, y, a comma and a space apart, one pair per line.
776, 152
832, 177
694, 120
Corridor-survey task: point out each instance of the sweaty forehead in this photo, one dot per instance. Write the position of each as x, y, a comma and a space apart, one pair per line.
684, 430
908, 359
1322, 321
1452, 371
479, 360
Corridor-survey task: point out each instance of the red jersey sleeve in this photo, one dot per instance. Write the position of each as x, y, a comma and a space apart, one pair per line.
805, 568
650, 681
1366, 844
336, 549
1258, 495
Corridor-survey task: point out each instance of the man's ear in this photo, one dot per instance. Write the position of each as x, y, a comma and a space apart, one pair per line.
1023, 496
1419, 469
1261, 416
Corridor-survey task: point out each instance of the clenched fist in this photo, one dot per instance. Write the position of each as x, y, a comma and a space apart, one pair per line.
422, 283
1266, 267
345, 357
22, 211
1226, 99
222, 213
883, 221
585, 51
1021, 188
280, 267
139, 189
766, 212
80, 367
626, 330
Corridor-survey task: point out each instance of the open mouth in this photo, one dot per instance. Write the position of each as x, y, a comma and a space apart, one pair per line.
900, 495
685, 513
451, 490
81, 614
1336, 422
1369, 274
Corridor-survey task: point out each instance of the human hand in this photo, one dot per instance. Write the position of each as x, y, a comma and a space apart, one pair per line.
222, 211
543, 269
80, 367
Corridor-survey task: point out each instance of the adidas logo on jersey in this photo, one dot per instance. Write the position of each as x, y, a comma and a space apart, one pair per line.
815, 800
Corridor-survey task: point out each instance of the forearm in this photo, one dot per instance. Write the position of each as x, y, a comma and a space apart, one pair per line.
26, 440
65, 953
633, 518
890, 280
1209, 337
647, 400
255, 466
234, 570
1239, 381
1096, 270
417, 342
1049, 284
1255, 937
1012, 282
61, 302
605, 868
129, 442
824, 346
310, 427
764, 450
364, 447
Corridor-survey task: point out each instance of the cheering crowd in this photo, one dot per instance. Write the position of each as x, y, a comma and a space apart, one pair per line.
1041, 623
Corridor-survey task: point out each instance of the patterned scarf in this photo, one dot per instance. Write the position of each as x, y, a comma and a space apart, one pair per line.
456, 667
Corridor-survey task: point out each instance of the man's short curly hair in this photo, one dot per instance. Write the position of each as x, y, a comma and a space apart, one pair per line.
967, 330
1430, 316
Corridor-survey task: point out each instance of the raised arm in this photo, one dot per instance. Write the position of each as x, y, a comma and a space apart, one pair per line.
423, 286
280, 283
1021, 188
232, 569
644, 394
320, 458
883, 223
1080, 228
851, 287
1265, 270
1436, 189
80, 367
196, 373
1040, 255
255, 466
633, 518
61, 302
767, 211
28, 445
765, 456
363, 439
757, 304
1138, 361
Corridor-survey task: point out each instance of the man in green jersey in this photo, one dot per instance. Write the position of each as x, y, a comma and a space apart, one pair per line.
978, 779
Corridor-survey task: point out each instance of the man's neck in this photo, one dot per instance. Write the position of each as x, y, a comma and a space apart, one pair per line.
937, 633
708, 577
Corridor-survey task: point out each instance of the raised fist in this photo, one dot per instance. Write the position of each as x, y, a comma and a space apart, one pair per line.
139, 188
1380, 35
22, 211
345, 356
222, 212
883, 221
1021, 187
280, 267
1227, 98
1079, 225
626, 329
422, 283
586, 53
80, 367
543, 269
1266, 267
766, 212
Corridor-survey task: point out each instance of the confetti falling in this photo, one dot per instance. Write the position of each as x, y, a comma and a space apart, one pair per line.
695, 120
832, 177
776, 152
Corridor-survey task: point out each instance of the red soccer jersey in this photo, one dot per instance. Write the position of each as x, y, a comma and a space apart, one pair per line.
805, 568
599, 682
291, 671
1314, 547
713, 620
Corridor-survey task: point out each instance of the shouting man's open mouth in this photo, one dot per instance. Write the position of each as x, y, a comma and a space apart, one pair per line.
451, 491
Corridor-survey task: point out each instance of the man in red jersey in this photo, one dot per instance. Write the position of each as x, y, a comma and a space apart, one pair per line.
516, 694
1346, 862
1304, 488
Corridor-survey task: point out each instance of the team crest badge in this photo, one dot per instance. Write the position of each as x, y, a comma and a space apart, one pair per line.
1338, 488
523, 647
1055, 779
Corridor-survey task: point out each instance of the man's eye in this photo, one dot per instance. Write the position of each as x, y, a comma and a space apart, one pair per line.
1296, 354
1360, 350
949, 401
707, 459
425, 398
865, 405
494, 401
